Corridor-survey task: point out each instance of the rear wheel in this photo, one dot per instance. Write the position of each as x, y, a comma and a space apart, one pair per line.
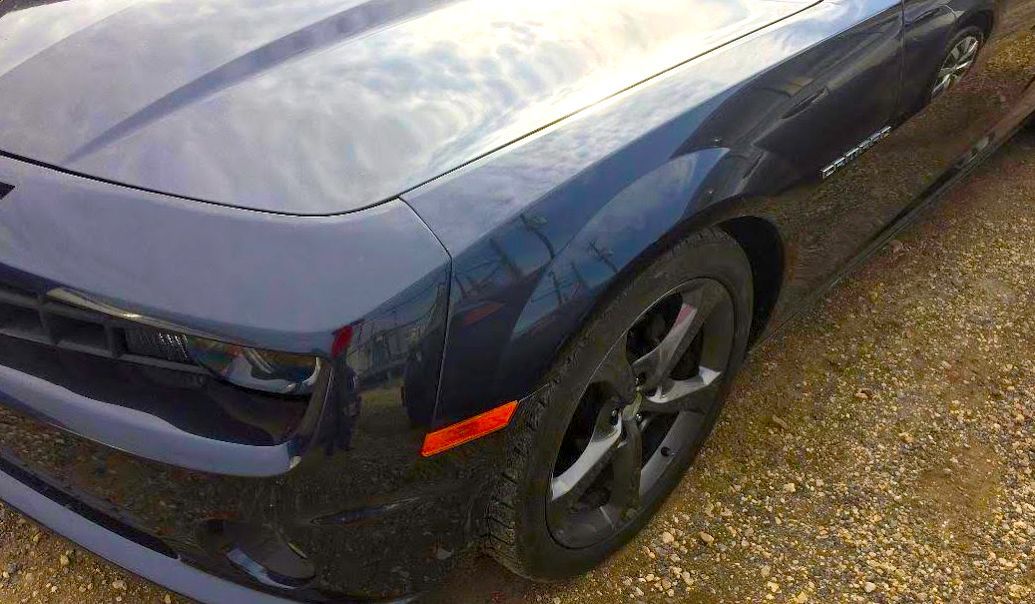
623, 412
960, 55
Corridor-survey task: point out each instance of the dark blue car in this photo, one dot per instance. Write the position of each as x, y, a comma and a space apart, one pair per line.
304, 299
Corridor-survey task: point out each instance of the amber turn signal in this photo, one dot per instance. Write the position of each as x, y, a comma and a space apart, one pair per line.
459, 433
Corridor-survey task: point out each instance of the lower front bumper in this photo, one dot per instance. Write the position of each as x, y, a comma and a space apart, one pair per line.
374, 520
167, 571
176, 528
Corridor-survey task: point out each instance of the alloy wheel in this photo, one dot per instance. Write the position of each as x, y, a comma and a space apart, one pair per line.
959, 60
647, 404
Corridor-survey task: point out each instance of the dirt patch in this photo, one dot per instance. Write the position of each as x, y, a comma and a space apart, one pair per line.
958, 492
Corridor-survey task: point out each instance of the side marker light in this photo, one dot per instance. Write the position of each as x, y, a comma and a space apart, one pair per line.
459, 433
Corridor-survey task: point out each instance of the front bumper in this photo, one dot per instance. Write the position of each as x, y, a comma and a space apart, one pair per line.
373, 519
379, 537
205, 488
125, 552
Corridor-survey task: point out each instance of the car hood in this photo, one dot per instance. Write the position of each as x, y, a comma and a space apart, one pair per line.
322, 106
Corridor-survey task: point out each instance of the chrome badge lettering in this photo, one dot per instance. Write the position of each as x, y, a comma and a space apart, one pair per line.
855, 152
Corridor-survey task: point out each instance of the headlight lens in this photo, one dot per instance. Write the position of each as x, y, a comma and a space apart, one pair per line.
277, 372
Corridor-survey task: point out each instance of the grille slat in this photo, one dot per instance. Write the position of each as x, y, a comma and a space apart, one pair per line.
17, 298
36, 318
113, 340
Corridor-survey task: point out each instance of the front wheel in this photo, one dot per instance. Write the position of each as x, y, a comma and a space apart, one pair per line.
623, 412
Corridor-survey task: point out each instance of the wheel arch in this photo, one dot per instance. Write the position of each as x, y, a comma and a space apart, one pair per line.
743, 219
546, 309
763, 245
981, 16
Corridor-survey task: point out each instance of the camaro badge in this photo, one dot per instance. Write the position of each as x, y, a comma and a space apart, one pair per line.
856, 151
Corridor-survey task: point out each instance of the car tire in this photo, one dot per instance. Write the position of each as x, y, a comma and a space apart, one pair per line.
529, 526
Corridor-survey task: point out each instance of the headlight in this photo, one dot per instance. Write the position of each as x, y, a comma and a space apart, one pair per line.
278, 372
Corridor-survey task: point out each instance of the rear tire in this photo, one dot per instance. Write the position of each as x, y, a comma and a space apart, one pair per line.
960, 55
592, 456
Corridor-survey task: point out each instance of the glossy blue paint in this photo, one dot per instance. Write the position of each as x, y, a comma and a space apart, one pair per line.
281, 282
558, 225
484, 175
345, 102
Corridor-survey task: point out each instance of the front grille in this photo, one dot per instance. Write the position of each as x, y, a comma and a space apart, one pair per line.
36, 318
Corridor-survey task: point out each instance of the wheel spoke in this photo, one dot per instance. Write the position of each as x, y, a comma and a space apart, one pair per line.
940, 88
696, 394
970, 49
567, 488
697, 304
628, 460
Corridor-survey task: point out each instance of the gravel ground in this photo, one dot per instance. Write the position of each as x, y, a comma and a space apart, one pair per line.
879, 450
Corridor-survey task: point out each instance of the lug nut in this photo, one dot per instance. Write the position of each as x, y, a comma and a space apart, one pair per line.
639, 418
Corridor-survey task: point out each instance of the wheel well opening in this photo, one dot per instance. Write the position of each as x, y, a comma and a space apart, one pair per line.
762, 244
981, 19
